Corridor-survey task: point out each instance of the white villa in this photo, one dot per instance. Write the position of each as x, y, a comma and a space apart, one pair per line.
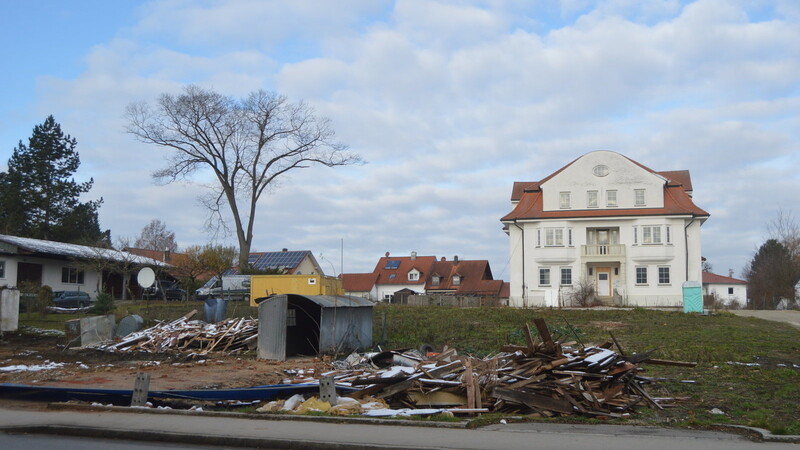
607, 222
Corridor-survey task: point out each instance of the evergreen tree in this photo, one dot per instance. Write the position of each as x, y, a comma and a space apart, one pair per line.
39, 194
771, 275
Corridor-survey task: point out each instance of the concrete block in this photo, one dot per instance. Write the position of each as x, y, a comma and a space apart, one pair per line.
9, 310
96, 329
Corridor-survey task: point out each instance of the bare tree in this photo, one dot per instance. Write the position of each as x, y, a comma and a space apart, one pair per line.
247, 143
786, 230
155, 236
217, 258
190, 266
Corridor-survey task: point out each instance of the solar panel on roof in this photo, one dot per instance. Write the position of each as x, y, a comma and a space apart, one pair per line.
279, 259
392, 264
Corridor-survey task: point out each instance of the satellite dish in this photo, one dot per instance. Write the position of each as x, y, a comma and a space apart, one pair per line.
146, 277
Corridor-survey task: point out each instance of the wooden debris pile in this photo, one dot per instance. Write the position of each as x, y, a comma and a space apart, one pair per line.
540, 378
186, 335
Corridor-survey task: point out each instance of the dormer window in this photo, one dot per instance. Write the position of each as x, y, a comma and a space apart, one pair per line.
413, 275
456, 280
435, 280
639, 198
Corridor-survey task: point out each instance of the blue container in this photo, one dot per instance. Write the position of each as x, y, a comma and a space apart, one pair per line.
214, 309
692, 297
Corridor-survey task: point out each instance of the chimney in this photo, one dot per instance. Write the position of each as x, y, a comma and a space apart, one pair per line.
166, 254
730, 273
285, 250
387, 254
413, 256
443, 258
455, 260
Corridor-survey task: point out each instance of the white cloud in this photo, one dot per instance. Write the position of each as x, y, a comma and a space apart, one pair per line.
450, 102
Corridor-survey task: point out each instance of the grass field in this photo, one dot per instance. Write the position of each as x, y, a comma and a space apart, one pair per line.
747, 368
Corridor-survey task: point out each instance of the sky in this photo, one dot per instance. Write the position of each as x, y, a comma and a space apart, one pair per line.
449, 102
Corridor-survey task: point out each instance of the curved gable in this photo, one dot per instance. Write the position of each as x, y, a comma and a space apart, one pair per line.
601, 171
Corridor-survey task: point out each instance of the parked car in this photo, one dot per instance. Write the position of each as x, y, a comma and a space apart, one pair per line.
71, 299
172, 289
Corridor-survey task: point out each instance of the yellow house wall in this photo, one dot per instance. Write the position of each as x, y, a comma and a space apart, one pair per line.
265, 285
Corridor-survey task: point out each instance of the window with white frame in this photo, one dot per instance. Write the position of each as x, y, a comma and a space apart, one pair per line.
71, 275
651, 234
554, 237
569, 237
435, 280
456, 280
538, 238
639, 198
544, 276
387, 297
730, 291
611, 198
663, 275
413, 275
564, 200
591, 199
2, 269
566, 276
641, 275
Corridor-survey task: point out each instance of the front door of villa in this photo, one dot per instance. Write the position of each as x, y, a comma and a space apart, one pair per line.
603, 281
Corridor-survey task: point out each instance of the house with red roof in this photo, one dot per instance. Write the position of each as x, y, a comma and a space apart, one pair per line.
608, 222
726, 289
409, 275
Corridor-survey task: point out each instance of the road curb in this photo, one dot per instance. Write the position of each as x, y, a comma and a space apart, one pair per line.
265, 416
764, 435
186, 438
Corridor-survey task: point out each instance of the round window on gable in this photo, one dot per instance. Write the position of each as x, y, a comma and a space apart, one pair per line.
600, 170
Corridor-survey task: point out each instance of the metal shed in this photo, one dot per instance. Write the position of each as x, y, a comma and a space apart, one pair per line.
291, 325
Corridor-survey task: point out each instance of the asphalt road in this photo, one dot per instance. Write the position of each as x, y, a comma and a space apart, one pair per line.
228, 431
790, 317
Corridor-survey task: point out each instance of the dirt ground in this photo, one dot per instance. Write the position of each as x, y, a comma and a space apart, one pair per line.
72, 367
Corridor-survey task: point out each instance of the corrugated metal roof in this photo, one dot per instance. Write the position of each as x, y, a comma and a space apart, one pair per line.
331, 301
76, 251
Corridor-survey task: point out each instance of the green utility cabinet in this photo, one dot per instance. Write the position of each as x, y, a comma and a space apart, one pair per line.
692, 297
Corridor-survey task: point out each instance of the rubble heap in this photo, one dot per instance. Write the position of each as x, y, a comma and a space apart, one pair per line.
543, 377
184, 334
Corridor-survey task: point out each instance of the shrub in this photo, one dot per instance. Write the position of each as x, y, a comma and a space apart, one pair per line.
103, 305
44, 299
583, 294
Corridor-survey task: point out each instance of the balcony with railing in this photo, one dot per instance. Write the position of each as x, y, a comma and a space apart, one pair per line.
603, 252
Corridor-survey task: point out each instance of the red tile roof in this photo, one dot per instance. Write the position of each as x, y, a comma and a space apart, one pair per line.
476, 278
676, 201
358, 282
505, 291
712, 278
678, 177
421, 263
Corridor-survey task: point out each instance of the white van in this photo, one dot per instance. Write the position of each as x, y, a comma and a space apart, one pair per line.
234, 287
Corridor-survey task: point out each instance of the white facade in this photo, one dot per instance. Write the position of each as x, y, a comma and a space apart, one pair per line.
59, 265
53, 274
383, 292
728, 293
604, 221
